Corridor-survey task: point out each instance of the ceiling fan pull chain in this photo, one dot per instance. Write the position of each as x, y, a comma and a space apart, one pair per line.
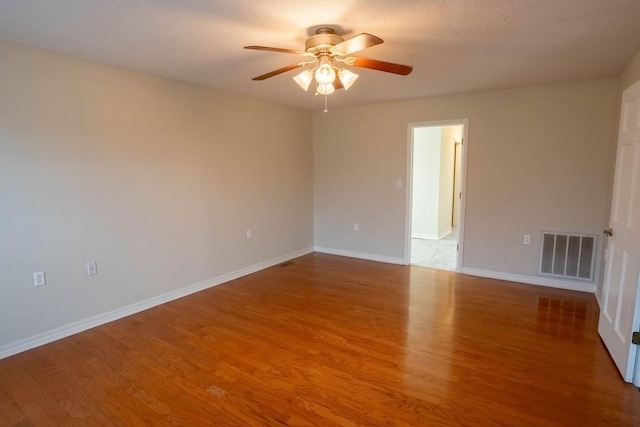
325, 104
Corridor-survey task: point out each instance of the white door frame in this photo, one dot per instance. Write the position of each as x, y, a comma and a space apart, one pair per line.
409, 186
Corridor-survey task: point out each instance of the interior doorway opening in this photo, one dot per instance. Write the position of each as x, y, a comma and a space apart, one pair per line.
435, 180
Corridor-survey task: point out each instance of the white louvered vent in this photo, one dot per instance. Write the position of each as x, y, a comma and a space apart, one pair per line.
568, 255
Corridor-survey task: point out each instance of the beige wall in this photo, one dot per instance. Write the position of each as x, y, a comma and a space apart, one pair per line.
426, 182
158, 180
538, 159
154, 179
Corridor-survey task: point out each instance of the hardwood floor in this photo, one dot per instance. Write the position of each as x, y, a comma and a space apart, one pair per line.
325, 340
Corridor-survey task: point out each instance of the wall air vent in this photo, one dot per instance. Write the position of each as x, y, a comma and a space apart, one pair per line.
568, 255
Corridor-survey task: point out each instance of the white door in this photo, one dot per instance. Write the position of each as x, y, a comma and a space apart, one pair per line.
620, 310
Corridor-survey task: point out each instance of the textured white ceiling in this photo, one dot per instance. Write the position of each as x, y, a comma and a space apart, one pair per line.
454, 45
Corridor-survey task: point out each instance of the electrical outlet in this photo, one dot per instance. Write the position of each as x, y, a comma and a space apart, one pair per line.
92, 268
39, 279
399, 183
248, 234
356, 227
527, 239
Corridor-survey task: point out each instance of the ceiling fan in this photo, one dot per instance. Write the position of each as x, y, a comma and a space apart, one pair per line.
327, 51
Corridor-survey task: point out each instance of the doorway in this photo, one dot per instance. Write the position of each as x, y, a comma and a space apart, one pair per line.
435, 181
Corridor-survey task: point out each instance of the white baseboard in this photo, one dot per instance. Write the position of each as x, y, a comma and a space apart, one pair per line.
445, 233
598, 299
431, 236
424, 236
530, 280
91, 322
360, 255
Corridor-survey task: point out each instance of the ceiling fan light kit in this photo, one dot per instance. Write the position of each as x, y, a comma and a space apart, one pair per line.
304, 79
325, 74
347, 78
328, 49
326, 89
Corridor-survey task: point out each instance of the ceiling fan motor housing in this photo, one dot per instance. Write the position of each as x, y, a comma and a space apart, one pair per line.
322, 41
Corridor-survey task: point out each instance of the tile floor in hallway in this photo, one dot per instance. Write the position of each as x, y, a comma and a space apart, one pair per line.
432, 253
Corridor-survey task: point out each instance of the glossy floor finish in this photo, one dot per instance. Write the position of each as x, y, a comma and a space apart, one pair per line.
326, 340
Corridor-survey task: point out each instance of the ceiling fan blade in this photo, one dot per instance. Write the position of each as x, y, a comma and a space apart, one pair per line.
280, 71
389, 67
277, 49
356, 43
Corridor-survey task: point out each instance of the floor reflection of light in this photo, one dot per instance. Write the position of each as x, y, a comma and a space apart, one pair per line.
429, 328
561, 316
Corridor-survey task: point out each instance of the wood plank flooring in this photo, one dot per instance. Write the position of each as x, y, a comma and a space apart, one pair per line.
326, 340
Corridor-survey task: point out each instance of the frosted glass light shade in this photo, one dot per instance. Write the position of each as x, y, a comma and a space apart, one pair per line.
347, 78
327, 89
325, 74
304, 79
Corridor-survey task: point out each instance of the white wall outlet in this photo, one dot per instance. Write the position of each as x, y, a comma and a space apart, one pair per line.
527, 239
399, 183
249, 234
39, 279
92, 268
356, 227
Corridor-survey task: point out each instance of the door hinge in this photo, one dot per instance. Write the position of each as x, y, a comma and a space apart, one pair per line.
635, 338
457, 247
